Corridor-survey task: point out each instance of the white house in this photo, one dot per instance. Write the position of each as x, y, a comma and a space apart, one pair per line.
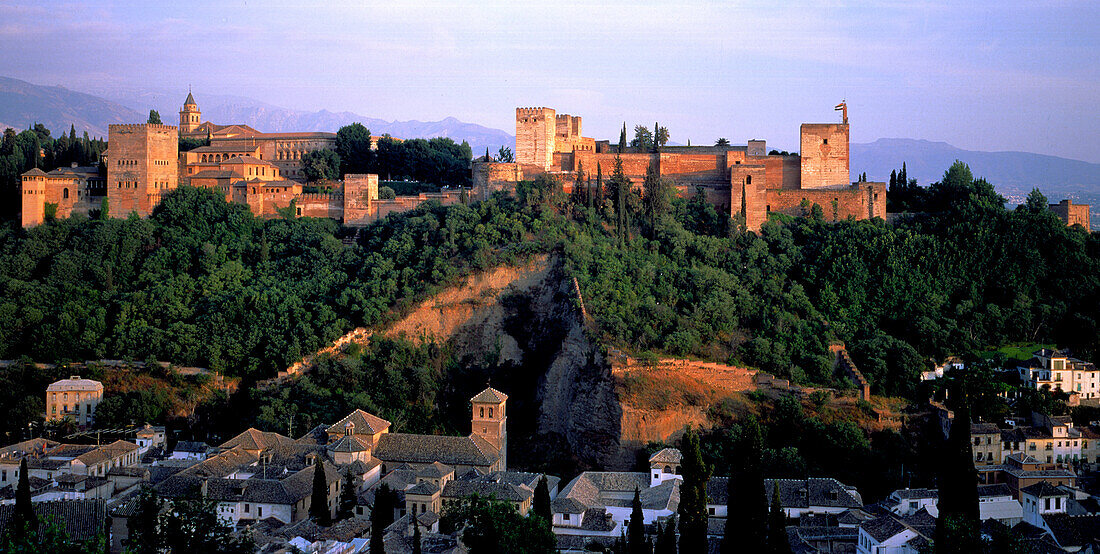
896, 534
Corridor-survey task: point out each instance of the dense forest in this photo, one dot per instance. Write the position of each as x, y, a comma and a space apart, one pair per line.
202, 282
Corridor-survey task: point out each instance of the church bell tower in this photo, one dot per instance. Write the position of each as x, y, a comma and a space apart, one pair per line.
190, 116
490, 422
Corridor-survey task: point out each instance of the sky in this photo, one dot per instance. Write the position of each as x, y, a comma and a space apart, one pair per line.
1002, 75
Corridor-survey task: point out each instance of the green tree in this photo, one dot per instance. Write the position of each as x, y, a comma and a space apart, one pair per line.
321, 164
193, 525
660, 136
541, 503
666, 538
778, 543
416, 537
505, 155
958, 522
1035, 203
746, 504
154, 117
635, 537
643, 138
142, 526
657, 197
318, 503
353, 145
386, 193
24, 517
722, 142
693, 495
622, 138
348, 498
381, 516
492, 526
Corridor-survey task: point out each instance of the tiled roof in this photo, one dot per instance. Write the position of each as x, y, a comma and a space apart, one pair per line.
76, 384
81, 519
225, 148
815, 491
254, 439
1074, 531
216, 174
364, 423
349, 443
245, 160
1043, 489
500, 491
906, 494
423, 488
718, 490
490, 396
984, 429
192, 447
401, 447
435, 470
35, 173
999, 489
564, 505
666, 456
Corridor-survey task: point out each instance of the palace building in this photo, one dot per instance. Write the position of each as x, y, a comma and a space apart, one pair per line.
745, 181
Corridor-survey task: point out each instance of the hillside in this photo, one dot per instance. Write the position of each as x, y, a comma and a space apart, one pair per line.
23, 104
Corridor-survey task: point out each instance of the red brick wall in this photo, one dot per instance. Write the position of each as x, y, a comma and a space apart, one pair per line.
861, 201
327, 205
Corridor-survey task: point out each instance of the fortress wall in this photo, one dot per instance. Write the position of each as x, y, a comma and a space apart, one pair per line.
326, 205
693, 168
857, 201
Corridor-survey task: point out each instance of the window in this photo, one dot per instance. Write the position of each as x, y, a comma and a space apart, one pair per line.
1046, 502
482, 412
259, 511
710, 511
490, 412
566, 517
824, 141
246, 508
65, 193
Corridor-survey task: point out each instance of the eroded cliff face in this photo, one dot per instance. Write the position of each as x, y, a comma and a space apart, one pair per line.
522, 328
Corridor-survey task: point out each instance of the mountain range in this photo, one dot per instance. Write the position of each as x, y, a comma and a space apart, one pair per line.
23, 103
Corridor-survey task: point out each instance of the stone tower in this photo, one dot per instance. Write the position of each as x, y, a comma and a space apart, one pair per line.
190, 116
33, 197
142, 167
360, 194
824, 148
536, 129
489, 420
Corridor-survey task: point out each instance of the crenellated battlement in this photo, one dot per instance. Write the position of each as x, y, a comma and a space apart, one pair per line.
140, 127
536, 111
322, 196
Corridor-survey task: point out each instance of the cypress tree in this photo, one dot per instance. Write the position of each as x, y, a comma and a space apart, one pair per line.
666, 538
958, 521
693, 495
636, 527
24, 518
746, 502
347, 496
893, 180
903, 179
416, 536
622, 138
542, 500
656, 132
777, 526
381, 516
318, 506
599, 186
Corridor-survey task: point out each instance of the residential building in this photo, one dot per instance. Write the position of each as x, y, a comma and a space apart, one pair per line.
75, 398
1058, 370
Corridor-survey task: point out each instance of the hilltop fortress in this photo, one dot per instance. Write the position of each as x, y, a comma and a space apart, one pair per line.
744, 181
260, 170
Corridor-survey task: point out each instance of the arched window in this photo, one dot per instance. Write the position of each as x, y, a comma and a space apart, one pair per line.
668, 469
65, 193
748, 179
482, 411
490, 412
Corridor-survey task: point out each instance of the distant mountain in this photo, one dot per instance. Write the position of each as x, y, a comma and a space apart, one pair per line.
225, 109
1013, 173
23, 104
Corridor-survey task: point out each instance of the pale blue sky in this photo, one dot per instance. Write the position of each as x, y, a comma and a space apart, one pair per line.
990, 76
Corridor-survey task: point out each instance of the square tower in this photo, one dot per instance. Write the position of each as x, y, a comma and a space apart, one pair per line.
489, 420
360, 194
536, 130
33, 197
142, 167
824, 148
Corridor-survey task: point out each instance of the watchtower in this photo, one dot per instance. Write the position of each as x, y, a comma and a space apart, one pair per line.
33, 196
489, 420
536, 130
143, 167
360, 194
190, 116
